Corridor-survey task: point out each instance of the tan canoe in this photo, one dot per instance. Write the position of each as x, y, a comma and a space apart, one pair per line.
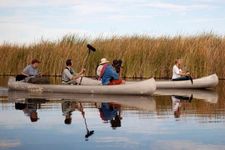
210, 81
146, 87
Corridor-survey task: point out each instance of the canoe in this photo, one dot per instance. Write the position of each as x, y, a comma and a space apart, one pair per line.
210, 81
145, 103
146, 87
206, 95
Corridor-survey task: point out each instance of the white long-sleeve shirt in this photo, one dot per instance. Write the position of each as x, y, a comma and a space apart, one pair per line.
176, 72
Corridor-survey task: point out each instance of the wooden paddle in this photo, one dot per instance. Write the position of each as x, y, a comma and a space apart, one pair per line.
90, 48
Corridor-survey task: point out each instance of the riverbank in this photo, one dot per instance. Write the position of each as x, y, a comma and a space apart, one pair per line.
143, 56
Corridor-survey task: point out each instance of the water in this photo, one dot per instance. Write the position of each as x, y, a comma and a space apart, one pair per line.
54, 121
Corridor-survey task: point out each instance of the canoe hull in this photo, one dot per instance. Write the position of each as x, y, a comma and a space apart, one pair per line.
200, 83
146, 87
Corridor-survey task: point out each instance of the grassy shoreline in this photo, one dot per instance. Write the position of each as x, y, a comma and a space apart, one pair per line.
143, 56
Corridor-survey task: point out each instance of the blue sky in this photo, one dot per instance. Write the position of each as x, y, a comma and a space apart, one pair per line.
25, 21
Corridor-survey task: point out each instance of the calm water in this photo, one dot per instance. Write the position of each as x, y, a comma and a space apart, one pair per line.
172, 120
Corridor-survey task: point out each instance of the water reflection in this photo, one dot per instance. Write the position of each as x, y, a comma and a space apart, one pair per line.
68, 107
179, 102
172, 119
210, 96
111, 112
30, 107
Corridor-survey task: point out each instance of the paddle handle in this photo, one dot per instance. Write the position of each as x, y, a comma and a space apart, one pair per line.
84, 65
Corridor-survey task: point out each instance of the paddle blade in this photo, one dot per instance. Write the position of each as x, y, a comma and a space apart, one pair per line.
91, 48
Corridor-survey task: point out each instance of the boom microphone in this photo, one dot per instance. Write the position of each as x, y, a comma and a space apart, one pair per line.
91, 47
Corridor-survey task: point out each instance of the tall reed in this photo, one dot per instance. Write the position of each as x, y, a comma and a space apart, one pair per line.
143, 56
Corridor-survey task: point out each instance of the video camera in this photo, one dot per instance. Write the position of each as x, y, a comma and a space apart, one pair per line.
117, 64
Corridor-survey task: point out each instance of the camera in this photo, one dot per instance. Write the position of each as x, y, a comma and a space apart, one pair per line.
117, 64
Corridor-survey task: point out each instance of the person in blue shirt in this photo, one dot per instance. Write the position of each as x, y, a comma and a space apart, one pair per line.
107, 74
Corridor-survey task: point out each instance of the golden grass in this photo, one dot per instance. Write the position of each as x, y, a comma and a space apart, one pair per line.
143, 56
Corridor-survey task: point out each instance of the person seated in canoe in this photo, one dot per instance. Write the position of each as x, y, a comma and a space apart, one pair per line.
107, 74
69, 76
31, 74
178, 74
117, 65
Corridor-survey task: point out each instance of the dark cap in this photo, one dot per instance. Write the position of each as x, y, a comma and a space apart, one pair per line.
35, 61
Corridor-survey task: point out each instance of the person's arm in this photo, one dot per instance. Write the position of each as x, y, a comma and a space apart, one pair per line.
78, 75
183, 73
25, 71
114, 74
178, 71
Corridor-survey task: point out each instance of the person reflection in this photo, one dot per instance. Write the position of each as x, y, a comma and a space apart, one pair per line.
176, 104
30, 107
68, 107
111, 112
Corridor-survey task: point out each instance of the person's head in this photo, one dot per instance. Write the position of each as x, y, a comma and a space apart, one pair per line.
34, 116
35, 63
117, 64
103, 61
177, 113
178, 62
69, 62
116, 122
68, 120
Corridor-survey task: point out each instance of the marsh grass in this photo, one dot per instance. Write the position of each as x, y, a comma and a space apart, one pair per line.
143, 56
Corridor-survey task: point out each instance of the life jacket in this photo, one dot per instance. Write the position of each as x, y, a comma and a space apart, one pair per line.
70, 70
102, 71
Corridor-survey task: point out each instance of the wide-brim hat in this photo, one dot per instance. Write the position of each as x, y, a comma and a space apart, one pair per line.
103, 61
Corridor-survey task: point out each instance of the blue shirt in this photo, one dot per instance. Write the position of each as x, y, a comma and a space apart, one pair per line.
109, 74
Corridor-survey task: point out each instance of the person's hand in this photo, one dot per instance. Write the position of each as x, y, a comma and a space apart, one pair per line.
83, 70
81, 73
187, 73
39, 74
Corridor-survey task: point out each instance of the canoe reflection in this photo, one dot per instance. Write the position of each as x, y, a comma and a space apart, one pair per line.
210, 96
145, 103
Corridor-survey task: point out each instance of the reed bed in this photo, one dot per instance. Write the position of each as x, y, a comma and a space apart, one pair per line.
143, 56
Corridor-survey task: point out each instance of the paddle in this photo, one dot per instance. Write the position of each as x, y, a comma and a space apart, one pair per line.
90, 48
